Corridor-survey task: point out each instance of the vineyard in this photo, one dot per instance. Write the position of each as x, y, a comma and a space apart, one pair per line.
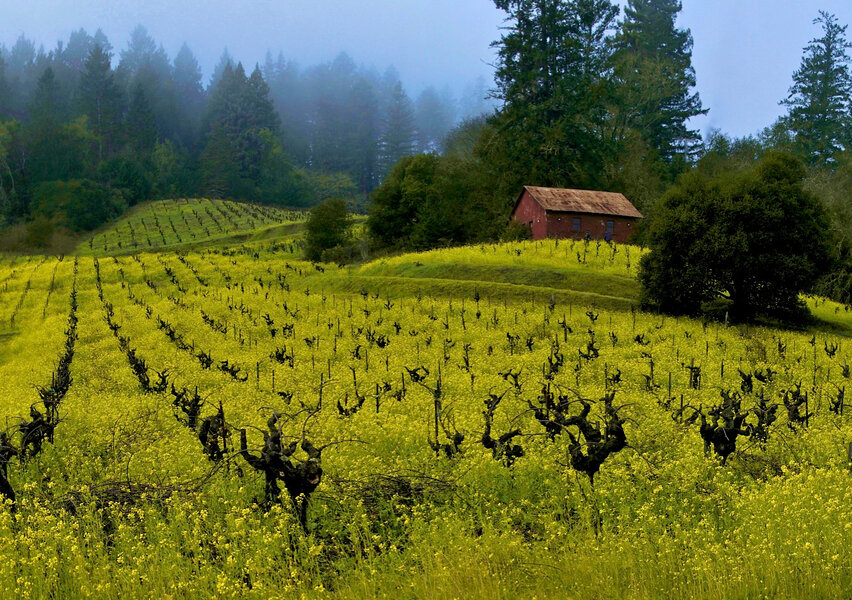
183, 223
489, 421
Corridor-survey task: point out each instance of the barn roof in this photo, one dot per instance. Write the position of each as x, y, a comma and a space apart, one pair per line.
582, 201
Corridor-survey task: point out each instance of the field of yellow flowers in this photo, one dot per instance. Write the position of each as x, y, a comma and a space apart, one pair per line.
241, 424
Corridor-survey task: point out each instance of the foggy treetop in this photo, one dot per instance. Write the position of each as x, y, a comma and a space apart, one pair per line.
743, 55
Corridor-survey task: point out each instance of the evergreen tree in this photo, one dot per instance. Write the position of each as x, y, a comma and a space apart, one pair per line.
434, 117
364, 110
654, 70
225, 61
189, 96
21, 75
332, 124
100, 39
239, 116
821, 96
140, 126
4, 90
77, 49
141, 50
145, 65
46, 108
551, 75
220, 165
475, 100
55, 151
399, 135
100, 100
289, 95
258, 104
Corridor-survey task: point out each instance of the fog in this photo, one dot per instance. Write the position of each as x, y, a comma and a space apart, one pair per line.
744, 56
439, 42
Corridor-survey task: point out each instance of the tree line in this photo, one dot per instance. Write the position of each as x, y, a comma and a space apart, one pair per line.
596, 98
85, 133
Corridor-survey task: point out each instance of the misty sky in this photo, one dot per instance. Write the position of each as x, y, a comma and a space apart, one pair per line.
745, 50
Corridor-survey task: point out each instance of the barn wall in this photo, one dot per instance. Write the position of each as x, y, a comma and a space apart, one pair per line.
560, 225
530, 213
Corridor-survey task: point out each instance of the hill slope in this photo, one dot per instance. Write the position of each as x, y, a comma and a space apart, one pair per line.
191, 223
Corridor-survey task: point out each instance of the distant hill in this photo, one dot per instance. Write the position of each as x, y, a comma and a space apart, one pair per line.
191, 223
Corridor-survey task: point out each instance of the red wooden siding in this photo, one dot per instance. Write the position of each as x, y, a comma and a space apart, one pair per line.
560, 224
530, 213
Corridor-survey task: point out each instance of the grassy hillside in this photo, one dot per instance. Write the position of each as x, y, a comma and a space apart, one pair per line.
457, 395
133, 499
567, 271
191, 223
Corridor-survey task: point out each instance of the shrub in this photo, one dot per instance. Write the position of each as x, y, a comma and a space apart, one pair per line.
755, 240
82, 204
329, 226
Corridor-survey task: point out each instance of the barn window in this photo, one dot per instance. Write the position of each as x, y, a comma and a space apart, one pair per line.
576, 224
610, 226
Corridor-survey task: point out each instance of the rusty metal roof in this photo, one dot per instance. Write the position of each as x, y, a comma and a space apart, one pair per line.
583, 201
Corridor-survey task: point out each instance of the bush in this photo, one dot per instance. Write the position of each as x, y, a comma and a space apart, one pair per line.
754, 240
39, 232
429, 201
347, 253
82, 205
516, 232
129, 176
329, 225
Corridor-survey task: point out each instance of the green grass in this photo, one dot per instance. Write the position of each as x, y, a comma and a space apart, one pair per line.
185, 224
565, 271
448, 287
569, 279
663, 520
831, 315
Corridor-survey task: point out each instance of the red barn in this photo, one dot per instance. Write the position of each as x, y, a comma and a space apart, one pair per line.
564, 213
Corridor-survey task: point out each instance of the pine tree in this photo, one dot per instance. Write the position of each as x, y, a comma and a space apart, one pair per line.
140, 50
364, 109
140, 122
435, 117
100, 99
77, 49
220, 165
553, 65
654, 70
290, 98
399, 135
46, 107
225, 61
189, 95
821, 96
4, 90
332, 125
258, 104
55, 151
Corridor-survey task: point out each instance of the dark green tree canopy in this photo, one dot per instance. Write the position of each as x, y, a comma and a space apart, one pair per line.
399, 131
752, 241
820, 98
553, 72
328, 226
654, 69
101, 100
83, 204
4, 90
429, 200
